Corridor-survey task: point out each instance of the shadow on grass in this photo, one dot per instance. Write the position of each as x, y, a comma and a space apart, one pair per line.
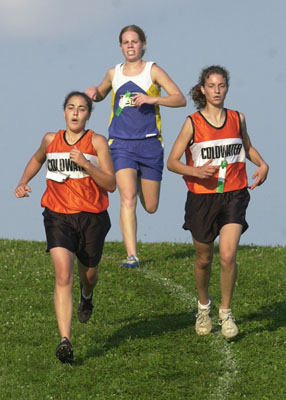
177, 255
141, 329
180, 252
267, 318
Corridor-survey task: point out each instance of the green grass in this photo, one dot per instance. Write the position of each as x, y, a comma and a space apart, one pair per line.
140, 342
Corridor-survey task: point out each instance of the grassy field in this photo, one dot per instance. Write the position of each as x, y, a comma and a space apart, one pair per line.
140, 342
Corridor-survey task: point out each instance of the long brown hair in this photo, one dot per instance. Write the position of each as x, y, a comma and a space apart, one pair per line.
196, 94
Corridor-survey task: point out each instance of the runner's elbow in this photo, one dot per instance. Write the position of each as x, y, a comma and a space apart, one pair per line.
170, 165
112, 187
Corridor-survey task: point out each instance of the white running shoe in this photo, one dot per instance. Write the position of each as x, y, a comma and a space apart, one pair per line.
204, 321
227, 322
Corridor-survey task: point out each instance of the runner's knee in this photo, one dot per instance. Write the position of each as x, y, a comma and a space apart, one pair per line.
64, 279
151, 208
227, 259
129, 200
202, 261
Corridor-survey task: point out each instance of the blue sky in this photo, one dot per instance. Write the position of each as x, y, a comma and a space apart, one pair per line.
50, 47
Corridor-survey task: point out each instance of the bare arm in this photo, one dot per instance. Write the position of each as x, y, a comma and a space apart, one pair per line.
33, 167
98, 93
174, 162
103, 175
253, 155
174, 98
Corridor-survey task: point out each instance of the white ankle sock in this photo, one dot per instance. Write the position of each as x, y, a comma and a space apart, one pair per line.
86, 297
205, 306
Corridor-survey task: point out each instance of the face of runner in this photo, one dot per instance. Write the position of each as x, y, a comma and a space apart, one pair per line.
76, 113
131, 46
215, 89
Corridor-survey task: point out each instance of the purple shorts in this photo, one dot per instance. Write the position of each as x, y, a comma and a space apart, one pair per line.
146, 156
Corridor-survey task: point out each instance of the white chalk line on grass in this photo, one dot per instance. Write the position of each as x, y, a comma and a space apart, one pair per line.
224, 384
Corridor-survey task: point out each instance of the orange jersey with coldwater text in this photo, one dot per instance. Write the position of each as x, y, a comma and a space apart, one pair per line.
217, 144
70, 189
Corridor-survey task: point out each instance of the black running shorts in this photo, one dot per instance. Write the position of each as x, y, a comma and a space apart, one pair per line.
82, 233
206, 214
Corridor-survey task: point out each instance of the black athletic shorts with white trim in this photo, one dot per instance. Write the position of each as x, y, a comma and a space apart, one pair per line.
81, 233
206, 214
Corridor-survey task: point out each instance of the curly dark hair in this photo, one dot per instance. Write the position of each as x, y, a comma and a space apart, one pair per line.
196, 94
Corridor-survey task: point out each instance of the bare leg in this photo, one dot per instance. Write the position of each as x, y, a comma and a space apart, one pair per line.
127, 184
202, 269
149, 192
229, 240
63, 261
88, 277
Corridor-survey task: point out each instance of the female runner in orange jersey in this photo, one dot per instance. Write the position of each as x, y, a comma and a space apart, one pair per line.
79, 175
216, 144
